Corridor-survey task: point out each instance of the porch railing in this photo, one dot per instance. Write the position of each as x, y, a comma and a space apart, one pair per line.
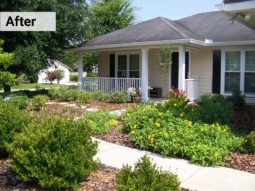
110, 84
191, 89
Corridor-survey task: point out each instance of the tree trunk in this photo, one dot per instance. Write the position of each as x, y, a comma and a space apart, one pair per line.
7, 88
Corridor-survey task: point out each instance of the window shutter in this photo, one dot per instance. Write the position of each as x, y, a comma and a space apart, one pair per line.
216, 71
112, 65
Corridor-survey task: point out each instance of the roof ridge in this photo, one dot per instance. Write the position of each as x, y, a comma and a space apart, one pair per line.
173, 27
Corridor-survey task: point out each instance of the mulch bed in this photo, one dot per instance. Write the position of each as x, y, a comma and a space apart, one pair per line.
117, 137
242, 161
103, 179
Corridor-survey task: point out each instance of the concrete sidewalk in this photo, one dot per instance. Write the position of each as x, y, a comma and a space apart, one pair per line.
191, 176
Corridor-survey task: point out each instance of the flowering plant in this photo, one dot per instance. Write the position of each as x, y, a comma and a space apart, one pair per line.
175, 93
131, 91
134, 92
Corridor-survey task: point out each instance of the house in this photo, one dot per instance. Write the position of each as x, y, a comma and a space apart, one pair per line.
241, 10
212, 54
56, 66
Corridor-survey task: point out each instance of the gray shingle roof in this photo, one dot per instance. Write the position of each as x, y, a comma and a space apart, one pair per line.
218, 27
213, 25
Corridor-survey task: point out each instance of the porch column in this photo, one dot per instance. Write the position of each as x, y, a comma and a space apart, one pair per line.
80, 71
145, 82
181, 79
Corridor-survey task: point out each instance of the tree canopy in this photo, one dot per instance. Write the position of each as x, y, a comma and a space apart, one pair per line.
77, 22
110, 15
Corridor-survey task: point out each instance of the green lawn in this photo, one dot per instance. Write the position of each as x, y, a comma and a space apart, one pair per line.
33, 86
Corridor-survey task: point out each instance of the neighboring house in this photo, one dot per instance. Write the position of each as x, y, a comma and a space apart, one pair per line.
212, 54
56, 66
241, 10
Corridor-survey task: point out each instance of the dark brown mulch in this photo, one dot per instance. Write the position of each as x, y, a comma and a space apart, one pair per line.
117, 137
103, 179
244, 118
242, 161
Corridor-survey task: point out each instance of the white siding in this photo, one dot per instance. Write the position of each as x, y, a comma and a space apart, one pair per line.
201, 69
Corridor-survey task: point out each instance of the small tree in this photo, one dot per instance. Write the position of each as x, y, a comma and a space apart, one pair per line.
54, 75
58, 75
165, 61
49, 76
6, 78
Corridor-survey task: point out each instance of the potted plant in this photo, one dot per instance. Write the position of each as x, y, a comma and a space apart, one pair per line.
137, 97
131, 92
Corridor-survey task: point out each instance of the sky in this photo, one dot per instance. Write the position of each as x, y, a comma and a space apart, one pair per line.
172, 9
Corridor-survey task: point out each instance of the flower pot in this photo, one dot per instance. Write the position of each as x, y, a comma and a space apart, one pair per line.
137, 99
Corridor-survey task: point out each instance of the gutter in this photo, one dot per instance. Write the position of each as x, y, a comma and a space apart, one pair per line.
236, 7
206, 43
138, 44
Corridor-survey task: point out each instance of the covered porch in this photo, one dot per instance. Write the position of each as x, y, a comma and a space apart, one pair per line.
119, 70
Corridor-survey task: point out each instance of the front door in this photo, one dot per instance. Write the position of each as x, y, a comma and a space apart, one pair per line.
175, 68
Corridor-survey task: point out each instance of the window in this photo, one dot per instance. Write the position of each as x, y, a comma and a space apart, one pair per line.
134, 66
232, 71
249, 76
239, 72
128, 66
122, 66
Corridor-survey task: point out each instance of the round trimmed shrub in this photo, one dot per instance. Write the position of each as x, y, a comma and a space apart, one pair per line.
19, 99
12, 121
54, 152
38, 102
83, 98
147, 177
215, 109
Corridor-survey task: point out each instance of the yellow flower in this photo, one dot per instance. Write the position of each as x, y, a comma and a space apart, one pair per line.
157, 124
190, 123
113, 122
160, 114
166, 135
152, 139
175, 105
225, 130
202, 130
216, 154
132, 132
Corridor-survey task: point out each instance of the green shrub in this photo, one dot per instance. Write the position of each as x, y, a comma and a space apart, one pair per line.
146, 177
38, 102
101, 96
163, 133
237, 99
177, 105
19, 99
250, 142
100, 121
54, 152
83, 98
64, 94
12, 121
215, 109
73, 77
118, 97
